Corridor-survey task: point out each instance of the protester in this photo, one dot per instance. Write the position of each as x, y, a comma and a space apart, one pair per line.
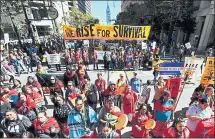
68, 75
197, 113
111, 91
15, 125
162, 113
108, 132
138, 122
60, 113
78, 126
108, 114
101, 85
46, 127
129, 102
136, 84
177, 130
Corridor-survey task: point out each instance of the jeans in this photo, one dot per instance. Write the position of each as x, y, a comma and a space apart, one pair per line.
95, 64
156, 73
117, 101
29, 66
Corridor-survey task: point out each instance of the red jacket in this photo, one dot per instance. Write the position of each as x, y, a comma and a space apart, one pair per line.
129, 101
13, 92
136, 120
51, 122
108, 92
100, 84
36, 97
29, 104
35, 84
171, 133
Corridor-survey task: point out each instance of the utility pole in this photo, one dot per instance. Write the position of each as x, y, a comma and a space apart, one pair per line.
28, 23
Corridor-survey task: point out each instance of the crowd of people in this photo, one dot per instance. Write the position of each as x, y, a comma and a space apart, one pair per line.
76, 99
75, 115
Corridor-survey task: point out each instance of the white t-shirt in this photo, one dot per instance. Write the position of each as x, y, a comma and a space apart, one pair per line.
197, 111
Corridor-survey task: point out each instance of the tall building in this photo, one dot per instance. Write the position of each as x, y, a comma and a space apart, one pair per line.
108, 16
204, 31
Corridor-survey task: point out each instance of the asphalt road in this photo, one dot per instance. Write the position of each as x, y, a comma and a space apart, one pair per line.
144, 76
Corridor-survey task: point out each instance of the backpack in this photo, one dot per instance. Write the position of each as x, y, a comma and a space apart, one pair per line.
92, 94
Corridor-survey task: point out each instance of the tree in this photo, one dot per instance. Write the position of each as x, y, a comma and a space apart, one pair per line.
75, 18
136, 14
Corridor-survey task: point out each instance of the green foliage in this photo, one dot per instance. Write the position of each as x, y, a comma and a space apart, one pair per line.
75, 18
134, 13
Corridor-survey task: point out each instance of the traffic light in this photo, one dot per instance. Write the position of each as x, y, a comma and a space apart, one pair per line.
142, 19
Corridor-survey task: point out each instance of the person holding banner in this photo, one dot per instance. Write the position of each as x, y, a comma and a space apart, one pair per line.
162, 114
159, 88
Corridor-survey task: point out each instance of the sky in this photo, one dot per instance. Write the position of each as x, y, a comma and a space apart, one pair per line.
99, 9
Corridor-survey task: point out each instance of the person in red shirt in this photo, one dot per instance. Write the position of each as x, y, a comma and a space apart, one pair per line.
95, 60
177, 130
35, 85
26, 106
78, 58
101, 85
46, 127
86, 58
129, 100
38, 99
56, 86
10, 95
111, 91
138, 122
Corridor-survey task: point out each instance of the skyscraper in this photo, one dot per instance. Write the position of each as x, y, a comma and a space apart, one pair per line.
108, 18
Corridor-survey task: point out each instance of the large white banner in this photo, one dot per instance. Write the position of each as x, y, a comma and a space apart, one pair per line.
191, 68
53, 59
101, 54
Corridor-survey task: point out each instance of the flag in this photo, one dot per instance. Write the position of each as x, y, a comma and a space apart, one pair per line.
173, 85
208, 76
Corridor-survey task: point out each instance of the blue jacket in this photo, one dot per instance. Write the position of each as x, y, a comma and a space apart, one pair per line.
77, 125
136, 85
164, 116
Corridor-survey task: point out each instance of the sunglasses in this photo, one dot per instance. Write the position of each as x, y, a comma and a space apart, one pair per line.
69, 85
52, 79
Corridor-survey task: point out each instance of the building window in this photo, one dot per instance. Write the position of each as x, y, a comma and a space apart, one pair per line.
70, 3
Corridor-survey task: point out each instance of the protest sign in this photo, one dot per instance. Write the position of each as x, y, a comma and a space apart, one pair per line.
173, 85
53, 59
191, 68
171, 68
208, 75
107, 32
188, 45
100, 54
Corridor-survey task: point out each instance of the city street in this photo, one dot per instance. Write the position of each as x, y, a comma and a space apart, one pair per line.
143, 75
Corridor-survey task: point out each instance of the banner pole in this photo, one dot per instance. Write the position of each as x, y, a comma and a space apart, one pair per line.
181, 91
